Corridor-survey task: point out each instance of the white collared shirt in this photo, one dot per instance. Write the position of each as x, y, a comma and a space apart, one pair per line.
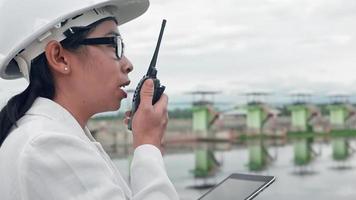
49, 156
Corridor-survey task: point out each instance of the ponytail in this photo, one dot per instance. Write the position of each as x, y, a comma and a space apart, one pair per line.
41, 85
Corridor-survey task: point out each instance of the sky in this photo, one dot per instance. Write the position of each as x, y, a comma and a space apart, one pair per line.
239, 46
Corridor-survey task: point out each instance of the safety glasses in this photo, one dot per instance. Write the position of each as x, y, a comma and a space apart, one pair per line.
116, 42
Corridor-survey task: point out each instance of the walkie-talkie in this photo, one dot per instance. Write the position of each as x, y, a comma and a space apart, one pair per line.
151, 74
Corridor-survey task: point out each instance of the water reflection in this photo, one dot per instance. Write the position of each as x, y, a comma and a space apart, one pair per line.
326, 178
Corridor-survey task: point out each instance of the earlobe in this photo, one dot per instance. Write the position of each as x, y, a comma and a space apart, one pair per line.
66, 70
57, 57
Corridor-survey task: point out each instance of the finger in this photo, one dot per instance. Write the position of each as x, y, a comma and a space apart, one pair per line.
128, 113
146, 93
162, 103
165, 120
126, 120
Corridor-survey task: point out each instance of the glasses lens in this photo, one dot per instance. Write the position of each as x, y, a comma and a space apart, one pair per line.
119, 48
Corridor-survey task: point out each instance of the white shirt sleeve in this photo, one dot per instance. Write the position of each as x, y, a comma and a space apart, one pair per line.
64, 167
149, 179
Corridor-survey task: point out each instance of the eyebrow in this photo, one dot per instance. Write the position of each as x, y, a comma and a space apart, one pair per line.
113, 33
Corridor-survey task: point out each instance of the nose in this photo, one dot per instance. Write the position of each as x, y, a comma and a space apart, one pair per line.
127, 65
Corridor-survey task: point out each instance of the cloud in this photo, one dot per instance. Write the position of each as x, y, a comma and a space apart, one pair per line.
239, 45
9, 88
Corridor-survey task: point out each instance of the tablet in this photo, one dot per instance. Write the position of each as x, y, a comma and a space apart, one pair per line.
238, 187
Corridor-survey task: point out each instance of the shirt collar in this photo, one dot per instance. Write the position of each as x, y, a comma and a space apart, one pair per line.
52, 110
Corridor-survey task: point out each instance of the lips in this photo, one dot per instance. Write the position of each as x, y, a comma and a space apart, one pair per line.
122, 90
124, 94
125, 84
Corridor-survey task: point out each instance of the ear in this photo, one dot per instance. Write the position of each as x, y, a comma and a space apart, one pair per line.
57, 57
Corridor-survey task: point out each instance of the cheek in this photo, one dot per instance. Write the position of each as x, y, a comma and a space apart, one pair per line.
102, 73
105, 75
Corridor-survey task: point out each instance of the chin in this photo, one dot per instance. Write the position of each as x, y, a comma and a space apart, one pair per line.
117, 106
113, 106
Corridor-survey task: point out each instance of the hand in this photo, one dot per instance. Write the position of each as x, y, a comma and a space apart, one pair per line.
150, 121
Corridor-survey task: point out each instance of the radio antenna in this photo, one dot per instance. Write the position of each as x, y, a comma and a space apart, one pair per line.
152, 69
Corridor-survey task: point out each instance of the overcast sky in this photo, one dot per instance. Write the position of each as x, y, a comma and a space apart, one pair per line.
238, 46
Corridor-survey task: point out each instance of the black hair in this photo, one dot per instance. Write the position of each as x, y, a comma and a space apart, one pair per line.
41, 82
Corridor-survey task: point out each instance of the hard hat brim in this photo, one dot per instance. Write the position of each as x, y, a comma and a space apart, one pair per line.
123, 11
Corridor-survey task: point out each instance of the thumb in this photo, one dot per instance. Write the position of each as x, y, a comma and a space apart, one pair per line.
146, 93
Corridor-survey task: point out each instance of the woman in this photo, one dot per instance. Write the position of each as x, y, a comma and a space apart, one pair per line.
72, 54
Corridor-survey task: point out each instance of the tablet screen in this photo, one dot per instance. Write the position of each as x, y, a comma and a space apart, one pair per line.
237, 188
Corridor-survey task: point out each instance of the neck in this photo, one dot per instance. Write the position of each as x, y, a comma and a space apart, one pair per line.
75, 108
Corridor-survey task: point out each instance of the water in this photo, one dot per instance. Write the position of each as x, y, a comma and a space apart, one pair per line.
324, 180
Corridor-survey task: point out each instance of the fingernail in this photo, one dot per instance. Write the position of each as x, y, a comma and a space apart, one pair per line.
149, 83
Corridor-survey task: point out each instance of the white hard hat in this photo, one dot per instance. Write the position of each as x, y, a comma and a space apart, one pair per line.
27, 26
